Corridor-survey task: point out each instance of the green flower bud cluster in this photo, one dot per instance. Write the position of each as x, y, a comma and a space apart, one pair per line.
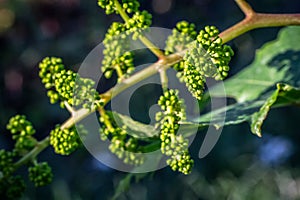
6, 163
173, 145
75, 90
22, 131
86, 95
64, 82
206, 55
123, 145
139, 22
209, 55
181, 162
130, 6
40, 174
182, 35
116, 54
48, 67
66, 141
67, 86
20, 127
107, 5
11, 187
194, 80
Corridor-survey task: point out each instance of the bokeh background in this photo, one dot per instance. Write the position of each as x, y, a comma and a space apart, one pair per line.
241, 166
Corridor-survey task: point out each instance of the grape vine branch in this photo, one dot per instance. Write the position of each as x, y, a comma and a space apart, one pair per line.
252, 20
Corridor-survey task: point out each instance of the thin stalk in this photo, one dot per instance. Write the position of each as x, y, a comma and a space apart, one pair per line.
40, 146
254, 20
164, 79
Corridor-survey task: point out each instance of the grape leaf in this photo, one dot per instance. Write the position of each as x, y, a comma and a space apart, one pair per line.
233, 114
136, 129
284, 95
253, 88
254, 111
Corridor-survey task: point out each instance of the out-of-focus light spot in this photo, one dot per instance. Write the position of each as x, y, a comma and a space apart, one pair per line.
50, 27
7, 18
275, 151
161, 6
13, 81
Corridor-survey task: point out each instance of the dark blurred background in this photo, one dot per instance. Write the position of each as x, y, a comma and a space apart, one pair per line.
241, 166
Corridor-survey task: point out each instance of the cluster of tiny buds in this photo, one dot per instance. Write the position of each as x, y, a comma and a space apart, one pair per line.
130, 6
219, 54
206, 56
173, 144
6, 163
182, 35
67, 86
117, 56
138, 23
12, 186
22, 132
40, 174
66, 141
123, 145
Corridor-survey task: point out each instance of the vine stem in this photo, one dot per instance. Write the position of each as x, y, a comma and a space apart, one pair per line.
39, 147
164, 79
252, 21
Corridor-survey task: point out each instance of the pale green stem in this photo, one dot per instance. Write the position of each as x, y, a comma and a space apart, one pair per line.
164, 79
40, 146
69, 108
255, 20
